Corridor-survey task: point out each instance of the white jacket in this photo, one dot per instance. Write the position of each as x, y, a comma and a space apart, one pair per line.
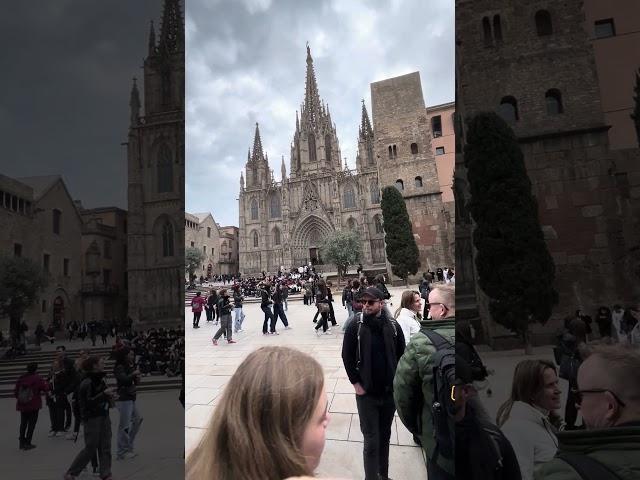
409, 323
531, 436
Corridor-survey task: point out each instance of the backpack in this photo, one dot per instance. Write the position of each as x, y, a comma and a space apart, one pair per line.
443, 382
588, 467
360, 322
25, 394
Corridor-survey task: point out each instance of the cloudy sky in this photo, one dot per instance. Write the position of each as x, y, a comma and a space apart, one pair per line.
246, 64
67, 67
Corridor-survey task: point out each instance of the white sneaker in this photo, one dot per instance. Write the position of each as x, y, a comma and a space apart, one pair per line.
328, 332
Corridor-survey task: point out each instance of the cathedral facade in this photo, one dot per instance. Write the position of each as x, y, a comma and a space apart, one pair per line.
155, 152
285, 223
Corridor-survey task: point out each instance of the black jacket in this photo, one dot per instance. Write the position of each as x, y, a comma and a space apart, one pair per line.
224, 305
237, 300
92, 400
394, 348
266, 298
126, 381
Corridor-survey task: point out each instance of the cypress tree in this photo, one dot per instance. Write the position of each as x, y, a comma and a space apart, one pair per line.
401, 248
515, 269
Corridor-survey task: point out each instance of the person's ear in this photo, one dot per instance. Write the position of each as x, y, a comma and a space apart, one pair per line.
613, 408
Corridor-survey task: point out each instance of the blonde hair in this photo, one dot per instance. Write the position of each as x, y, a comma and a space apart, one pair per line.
257, 427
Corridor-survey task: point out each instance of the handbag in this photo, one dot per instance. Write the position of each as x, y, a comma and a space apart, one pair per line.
323, 307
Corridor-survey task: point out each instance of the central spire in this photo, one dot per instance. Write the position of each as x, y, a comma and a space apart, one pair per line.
258, 154
311, 108
365, 124
172, 30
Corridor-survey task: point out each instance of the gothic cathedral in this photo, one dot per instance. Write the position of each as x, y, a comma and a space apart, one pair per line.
155, 153
284, 223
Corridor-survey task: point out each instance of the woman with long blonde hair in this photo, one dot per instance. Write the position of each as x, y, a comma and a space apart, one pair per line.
528, 417
408, 315
270, 422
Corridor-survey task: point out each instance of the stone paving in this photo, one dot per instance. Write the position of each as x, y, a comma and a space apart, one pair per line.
209, 368
158, 444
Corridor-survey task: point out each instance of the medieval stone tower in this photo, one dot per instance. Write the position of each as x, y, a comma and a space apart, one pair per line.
155, 152
531, 61
405, 159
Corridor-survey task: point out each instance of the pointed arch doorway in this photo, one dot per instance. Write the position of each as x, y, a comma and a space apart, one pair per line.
307, 240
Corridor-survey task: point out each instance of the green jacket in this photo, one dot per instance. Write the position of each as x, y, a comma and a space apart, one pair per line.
617, 448
412, 389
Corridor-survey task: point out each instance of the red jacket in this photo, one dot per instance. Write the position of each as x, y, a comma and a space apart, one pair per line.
38, 385
197, 303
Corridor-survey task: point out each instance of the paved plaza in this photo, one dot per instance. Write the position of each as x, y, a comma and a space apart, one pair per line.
160, 454
209, 369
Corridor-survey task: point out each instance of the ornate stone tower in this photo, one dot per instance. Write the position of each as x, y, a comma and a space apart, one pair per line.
155, 152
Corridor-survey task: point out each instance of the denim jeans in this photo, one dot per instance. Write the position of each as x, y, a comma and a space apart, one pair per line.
268, 315
278, 312
225, 328
238, 319
349, 309
128, 427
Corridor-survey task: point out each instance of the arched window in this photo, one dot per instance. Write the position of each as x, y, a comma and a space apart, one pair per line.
254, 209
414, 148
390, 152
349, 197
395, 152
554, 102
167, 239
377, 221
486, 30
375, 192
327, 147
351, 224
276, 236
255, 239
274, 206
497, 29
543, 23
508, 109
418, 182
399, 184
165, 170
57, 216
312, 148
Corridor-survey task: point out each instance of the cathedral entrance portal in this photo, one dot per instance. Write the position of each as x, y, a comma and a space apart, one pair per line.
314, 256
307, 239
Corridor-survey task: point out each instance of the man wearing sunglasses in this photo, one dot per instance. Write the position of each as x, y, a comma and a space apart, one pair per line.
373, 343
608, 396
412, 384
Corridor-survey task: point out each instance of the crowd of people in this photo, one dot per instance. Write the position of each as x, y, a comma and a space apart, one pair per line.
76, 395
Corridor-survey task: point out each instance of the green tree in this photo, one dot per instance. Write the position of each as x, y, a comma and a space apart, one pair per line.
342, 248
193, 257
401, 248
635, 116
21, 281
515, 269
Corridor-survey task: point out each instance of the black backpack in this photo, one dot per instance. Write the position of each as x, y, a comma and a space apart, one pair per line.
443, 381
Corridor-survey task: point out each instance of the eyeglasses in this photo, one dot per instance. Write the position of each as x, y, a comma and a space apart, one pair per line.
579, 393
369, 302
429, 305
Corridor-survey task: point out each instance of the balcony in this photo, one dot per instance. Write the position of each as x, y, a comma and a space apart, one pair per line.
90, 289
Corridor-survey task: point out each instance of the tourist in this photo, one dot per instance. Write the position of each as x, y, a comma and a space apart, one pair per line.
278, 308
603, 319
528, 418
285, 295
224, 310
265, 306
270, 422
196, 307
127, 378
408, 315
347, 297
371, 348
332, 315
608, 393
95, 399
424, 289
237, 309
437, 334
322, 305
28, 393
212, 302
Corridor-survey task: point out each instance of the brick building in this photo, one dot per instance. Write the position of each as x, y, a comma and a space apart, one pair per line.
533, 62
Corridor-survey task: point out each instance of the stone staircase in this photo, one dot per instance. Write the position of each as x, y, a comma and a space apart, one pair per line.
10, 370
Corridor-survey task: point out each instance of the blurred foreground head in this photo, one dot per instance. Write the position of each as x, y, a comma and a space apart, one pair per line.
269, 423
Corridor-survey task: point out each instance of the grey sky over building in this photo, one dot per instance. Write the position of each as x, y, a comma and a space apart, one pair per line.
246, 64
67, 68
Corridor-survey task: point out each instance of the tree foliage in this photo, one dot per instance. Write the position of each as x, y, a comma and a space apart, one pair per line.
402, 250
193, 257
21, 281
514, 266
635, 116
342, 248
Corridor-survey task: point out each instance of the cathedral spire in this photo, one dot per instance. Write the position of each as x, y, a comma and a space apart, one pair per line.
152, 39
365, 124
257, 146
241, 181
283, 170
134, 103
172, 29
311, 97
